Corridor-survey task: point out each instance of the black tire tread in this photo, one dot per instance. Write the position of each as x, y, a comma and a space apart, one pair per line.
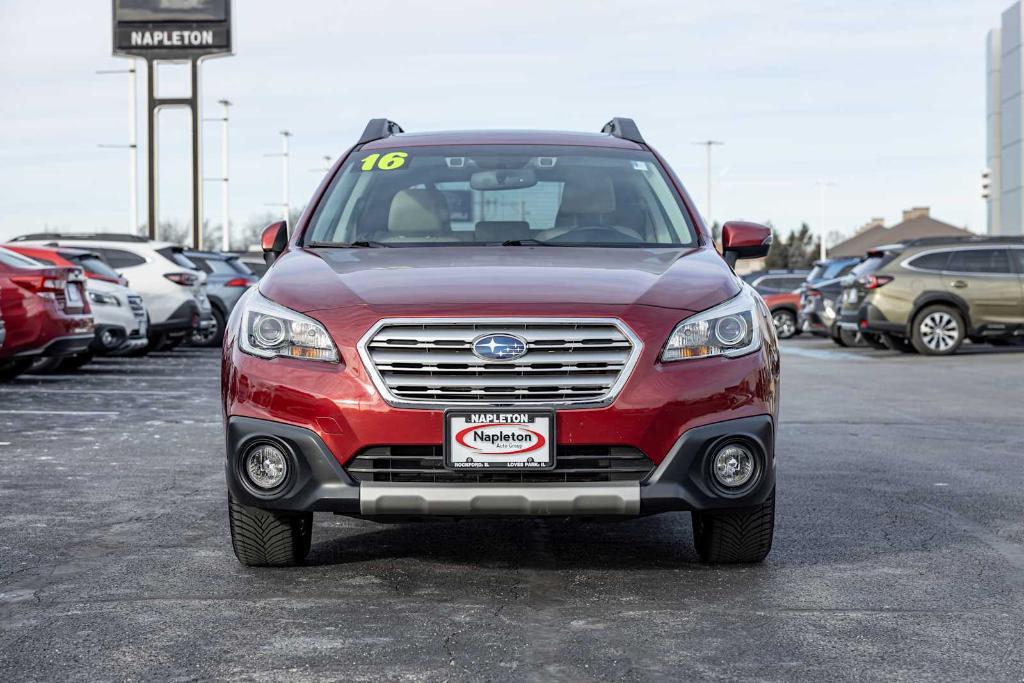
269, 538
735, 537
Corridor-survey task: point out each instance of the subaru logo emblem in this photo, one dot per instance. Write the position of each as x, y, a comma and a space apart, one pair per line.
499, 347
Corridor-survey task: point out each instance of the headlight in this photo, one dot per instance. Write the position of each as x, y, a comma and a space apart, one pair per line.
269, 330
103, 299
730, 329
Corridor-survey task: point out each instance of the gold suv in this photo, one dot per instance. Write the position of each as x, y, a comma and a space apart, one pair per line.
928, 295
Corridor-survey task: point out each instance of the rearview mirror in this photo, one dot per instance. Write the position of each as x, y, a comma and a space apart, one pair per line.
274, 240
745, 240
503, 179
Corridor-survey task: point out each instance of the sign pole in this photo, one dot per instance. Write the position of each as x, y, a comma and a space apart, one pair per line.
159, 30
151, 118
197, 160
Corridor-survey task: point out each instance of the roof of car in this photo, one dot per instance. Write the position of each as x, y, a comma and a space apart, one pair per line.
502, 137
50, 239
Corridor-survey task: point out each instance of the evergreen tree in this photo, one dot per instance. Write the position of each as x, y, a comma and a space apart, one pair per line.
778, 253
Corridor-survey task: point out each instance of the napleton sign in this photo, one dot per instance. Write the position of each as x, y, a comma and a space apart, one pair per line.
173, 30
158, 29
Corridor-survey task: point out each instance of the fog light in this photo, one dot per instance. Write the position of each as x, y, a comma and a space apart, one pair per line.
733, 465
108, 339
266, 466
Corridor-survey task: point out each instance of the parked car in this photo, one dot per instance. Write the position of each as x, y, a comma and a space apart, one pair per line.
227, 279
119, 312
819, 298
776, 281
45, 312
172, 288
597, 357
784, 308
254, 261
780, 290
929, 295
855, 286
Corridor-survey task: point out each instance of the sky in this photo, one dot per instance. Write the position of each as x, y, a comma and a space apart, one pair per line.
883, 100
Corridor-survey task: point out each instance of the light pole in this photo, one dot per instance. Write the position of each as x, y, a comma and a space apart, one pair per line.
132, 146
708, 144
284, 172
821, 185
225, 205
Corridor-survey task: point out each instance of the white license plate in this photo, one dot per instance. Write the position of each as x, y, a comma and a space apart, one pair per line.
499, 439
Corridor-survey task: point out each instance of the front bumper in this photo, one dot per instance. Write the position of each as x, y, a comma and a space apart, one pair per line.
184, 320
682, 480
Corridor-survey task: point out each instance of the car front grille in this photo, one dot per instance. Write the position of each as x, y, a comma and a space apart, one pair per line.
138, 309
566, 361
425, 464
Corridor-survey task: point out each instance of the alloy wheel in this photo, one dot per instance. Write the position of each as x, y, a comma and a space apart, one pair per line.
939, 331
785, 324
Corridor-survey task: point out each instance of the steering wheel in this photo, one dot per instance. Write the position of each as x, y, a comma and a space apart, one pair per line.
596, 233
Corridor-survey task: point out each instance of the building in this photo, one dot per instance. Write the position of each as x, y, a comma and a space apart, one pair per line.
1004, 154
917, 222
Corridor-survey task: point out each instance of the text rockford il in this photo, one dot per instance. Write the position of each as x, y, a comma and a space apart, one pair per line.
172, 38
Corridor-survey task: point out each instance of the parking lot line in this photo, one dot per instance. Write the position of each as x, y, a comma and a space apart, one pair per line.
819, 353
60, 412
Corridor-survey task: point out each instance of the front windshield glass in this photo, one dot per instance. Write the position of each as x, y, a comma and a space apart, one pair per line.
495, 194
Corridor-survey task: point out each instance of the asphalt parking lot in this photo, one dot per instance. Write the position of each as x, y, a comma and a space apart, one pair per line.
899, 550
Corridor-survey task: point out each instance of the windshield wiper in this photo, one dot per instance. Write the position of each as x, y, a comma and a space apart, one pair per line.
359, 244
526, 243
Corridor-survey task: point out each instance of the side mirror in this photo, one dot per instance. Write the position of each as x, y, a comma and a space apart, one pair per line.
274, 240
745, 240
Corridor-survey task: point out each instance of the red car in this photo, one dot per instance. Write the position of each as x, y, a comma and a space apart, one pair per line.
784, 308
506, 323
45, 312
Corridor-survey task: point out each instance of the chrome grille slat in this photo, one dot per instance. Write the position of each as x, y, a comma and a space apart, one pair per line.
531, 358
431, 361
572, 464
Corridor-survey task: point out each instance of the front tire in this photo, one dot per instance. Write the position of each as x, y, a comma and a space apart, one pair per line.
849, 337
735, 537
269, 538
213, 338
938, 331
785, 323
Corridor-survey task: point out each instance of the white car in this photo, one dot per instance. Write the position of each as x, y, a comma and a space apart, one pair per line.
174, 291
120, 315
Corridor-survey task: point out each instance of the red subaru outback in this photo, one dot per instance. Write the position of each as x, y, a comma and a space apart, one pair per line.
501, 324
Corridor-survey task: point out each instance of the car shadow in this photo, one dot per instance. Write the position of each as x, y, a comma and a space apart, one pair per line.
663, 541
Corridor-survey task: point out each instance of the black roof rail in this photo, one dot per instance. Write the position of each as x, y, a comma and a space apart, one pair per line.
970, 239
105, 236
378, 129
625, 129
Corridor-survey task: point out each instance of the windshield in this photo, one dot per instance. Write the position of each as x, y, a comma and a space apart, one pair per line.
872, 263
472, 195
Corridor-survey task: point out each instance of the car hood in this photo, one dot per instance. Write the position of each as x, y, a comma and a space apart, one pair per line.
318, 279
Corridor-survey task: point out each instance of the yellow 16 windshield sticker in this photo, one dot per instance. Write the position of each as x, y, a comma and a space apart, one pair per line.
385, 162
